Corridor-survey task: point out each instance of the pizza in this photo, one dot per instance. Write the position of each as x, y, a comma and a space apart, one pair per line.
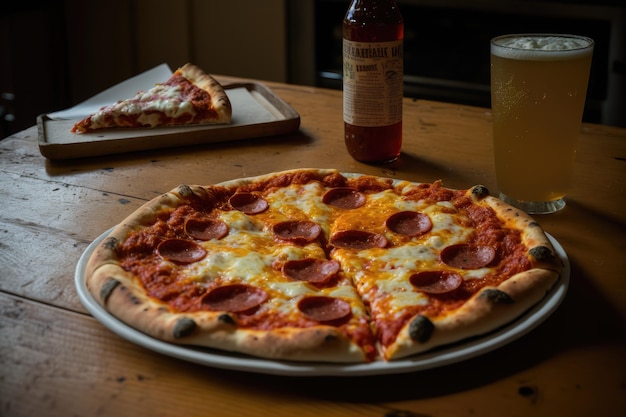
189, 97
319, 265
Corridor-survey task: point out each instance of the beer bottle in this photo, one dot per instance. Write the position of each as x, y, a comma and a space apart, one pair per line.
373, 33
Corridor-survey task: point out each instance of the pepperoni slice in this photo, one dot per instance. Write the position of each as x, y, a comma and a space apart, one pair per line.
235, 298
206, 229
324, 309
181, 251
409, 223
358, 239
315, 271
248, 203
467, 256
344, 197
297, 231
436, 282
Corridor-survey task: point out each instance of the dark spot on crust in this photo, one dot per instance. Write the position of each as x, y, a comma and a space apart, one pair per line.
541, 253
183, 327
421, 329
529, 392
227, 319
403, 413
110, 243
496, 296
330, 338
107, 288
184, 190
513, 212
134, 299
526, 391
480, 191
533, 224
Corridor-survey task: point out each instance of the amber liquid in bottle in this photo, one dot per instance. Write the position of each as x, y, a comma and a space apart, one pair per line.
373, 32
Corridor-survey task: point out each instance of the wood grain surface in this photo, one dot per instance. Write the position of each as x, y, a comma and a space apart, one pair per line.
56, 360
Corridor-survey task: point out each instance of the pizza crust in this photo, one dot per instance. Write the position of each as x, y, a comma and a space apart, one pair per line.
492, 307
219, 98
543, 255
486, 311
115, 289
320, 343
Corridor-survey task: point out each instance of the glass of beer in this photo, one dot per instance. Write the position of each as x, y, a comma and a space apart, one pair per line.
538, 89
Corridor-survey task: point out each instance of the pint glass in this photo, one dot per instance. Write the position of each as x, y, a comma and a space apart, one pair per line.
538, 88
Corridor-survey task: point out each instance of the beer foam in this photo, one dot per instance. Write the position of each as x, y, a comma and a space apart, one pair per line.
541, 47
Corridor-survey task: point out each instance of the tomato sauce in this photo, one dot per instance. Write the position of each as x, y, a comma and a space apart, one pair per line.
163, 281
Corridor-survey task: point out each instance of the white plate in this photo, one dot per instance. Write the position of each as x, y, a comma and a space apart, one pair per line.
226, 360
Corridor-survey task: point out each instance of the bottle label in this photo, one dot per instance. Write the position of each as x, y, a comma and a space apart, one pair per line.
372, 82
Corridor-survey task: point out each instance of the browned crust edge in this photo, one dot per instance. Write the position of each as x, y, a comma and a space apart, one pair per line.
487, 310
219, 98
533, 236
115, 290
482, 314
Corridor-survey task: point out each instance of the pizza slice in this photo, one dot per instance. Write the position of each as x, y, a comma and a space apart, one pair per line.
189, 97
436, 266
234, 269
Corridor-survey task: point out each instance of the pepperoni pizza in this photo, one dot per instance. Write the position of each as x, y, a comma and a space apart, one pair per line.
189, 97
317, 265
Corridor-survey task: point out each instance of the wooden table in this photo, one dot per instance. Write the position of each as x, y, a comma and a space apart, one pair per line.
56, 360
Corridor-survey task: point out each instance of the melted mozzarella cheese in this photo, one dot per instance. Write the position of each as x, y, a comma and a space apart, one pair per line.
292, 289
165, 99
401, 297
408, 257
250, 253
476, 273
301, 202
239, 265
382, 275
238, 221
349, 293
293, 252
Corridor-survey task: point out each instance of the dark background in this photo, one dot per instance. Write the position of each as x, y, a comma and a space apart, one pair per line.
57, 53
